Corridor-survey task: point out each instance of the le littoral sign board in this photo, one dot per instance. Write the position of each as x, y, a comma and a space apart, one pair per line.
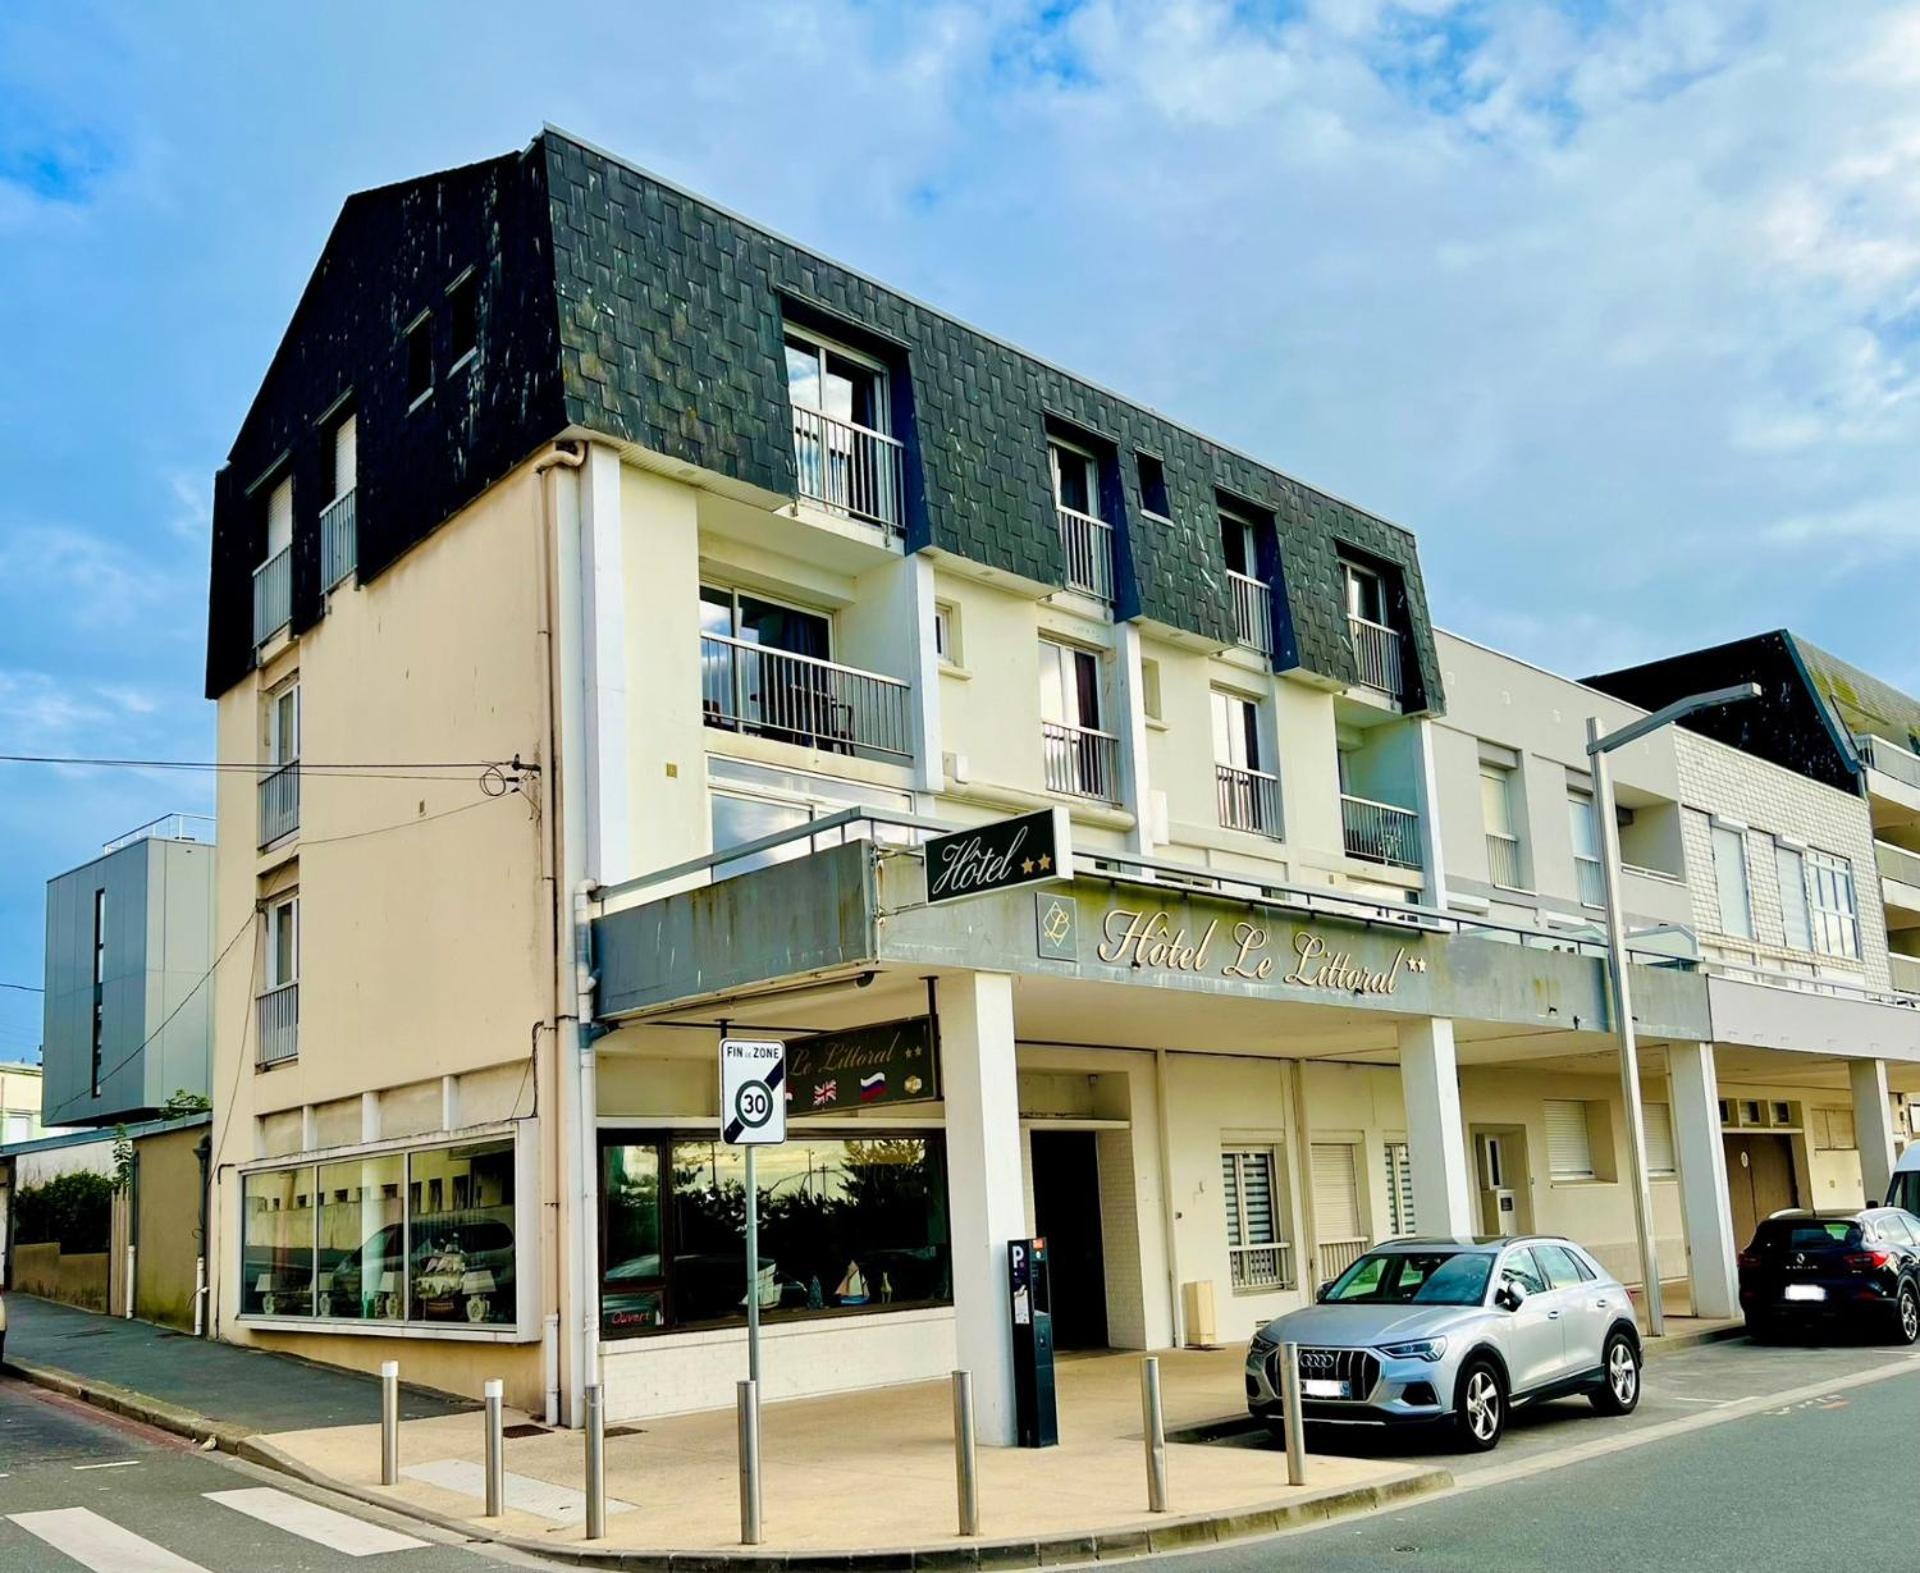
1029, 849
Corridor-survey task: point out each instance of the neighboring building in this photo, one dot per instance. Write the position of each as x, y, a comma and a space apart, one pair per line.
731, 574
19, 1103
129, 942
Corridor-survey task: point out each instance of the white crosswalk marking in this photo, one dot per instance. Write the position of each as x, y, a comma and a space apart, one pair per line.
310, 1521
543, 1498
100, 1544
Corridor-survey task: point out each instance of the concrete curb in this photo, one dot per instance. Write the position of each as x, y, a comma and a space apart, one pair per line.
1676, 1343
1174, 1534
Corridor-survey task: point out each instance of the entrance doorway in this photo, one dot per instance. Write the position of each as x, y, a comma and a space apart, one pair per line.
1066, 1213
1760, 1181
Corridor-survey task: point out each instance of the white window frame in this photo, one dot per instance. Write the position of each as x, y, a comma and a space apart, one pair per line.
1725, 836
821, 345
283, 912
1241, 525
1244, 720
946, 633
1239, 1220
1835, 928
348, 426
1353, 578
1057, 446
1067, 656
734, 592
278, 751
1569, 1174
1796, 896
1657, 1120
421, 323
461, 280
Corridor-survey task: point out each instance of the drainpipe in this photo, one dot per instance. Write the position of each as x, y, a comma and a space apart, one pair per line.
1163, 1136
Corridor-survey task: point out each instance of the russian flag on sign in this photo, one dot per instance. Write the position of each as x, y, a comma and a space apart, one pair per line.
873, 1086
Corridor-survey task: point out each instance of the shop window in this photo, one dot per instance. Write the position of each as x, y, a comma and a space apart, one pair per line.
426, 1236
846, 1226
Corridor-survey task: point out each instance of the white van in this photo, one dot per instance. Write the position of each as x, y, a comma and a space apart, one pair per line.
1904, 1191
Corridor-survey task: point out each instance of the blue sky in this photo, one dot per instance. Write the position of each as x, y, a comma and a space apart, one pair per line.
1614, 304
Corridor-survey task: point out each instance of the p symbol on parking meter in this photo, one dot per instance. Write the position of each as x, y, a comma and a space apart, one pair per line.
753, 1097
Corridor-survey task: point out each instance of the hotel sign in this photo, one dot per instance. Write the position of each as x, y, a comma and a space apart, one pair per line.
1004, 855
1248, 952
893, 1062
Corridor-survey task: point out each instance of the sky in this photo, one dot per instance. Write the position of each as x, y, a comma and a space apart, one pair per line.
1616, 305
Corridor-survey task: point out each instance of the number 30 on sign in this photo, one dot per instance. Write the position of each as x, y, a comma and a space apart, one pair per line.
753, 1091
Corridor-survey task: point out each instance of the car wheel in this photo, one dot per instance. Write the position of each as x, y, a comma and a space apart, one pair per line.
1480, 1407
1619, 1389
1906, 1315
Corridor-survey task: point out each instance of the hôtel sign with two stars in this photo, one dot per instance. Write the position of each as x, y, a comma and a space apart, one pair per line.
1028, 850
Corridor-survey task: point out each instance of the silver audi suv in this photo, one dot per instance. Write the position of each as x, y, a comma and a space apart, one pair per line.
1459, 1331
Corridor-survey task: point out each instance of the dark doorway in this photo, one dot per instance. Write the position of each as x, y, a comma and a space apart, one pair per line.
1759, 1182
1066, 1213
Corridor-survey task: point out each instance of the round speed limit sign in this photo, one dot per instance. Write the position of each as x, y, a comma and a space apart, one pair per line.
753, 1104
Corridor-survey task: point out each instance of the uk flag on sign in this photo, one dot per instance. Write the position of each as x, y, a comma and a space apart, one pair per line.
825, 1093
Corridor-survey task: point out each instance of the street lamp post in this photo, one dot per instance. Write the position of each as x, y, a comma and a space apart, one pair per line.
1620, 988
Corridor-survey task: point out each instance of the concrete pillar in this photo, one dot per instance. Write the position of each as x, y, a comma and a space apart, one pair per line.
1872, 1126
1436, 1140
1694, 1095
986, 1207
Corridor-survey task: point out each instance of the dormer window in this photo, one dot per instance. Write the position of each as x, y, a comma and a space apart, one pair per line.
463, 319
1086, 540
419, 360
845, 456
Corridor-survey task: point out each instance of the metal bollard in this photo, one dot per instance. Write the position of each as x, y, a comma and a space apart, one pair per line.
966, 1470
389, 1422
749, 1407
496, 1450
1295, 1417
1155, 1426
596, 1464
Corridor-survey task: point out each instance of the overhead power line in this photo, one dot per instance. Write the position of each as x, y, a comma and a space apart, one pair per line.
383, 769
24, 988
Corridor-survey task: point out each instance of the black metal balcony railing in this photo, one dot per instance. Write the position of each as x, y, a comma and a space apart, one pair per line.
1252, 612
1376, 653
339, 540
273, 595
279, 803
1081, 761
848, 468
278, 1011
801, 699
1380, 832
1249, 799
1088, 545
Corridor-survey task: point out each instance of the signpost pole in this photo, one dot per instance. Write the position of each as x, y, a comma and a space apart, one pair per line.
753, 1272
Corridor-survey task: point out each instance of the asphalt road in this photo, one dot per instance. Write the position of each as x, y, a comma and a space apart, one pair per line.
1823, 1473
79, 1489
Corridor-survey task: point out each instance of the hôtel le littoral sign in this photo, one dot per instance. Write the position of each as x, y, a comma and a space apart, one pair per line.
1248, 952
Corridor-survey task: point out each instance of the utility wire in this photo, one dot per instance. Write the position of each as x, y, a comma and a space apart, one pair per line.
24, 988
377, 769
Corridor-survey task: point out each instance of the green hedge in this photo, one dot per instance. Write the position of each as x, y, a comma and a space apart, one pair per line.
74, 1210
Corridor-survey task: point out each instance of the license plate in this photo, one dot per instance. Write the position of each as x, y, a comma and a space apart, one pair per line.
1320, 1387
1805, 1292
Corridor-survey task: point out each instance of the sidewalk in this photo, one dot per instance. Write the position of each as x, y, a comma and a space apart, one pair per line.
236, 1391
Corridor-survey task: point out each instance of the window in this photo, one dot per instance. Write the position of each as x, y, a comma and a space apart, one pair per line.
835, 382
1365, 592
1833, 1130
1730, 876
946, 632
346, 456
1075, 484
419, 359
1521, 1268
844, 454
99, 989
1584, 823
279, 518
1236, 731
283, 943
1504, 862
1336, 1199
283, 725
1564, 1270
1249, 796
1256, 1249
1400, 1190
846, 1225
1153, 486
1836, 917
1658, 1120
1236, 539
1796, 915
1437, 1277
1150, 690
1079, 757
463, 318
762, 669
738, 820
1569, 1146
749, 801
426, 1236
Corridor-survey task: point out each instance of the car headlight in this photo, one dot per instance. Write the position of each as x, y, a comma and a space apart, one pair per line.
1262, 1339
1429, 1349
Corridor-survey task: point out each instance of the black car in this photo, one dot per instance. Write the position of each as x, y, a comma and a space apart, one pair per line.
1858, 1268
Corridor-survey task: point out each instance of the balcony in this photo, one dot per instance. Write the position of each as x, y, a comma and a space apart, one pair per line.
1080, 761
1889, 759
272, 595
754, 688
1897, 864
278, 1017
1380, 832
1249, 800
1376, 655
279, 803
1905, 971
849, 468
1252, 612
1505, 865
1087, 543
339, 541
1590, 881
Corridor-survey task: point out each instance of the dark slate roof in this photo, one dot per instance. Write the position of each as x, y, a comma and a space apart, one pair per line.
617, 303
1860, 702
